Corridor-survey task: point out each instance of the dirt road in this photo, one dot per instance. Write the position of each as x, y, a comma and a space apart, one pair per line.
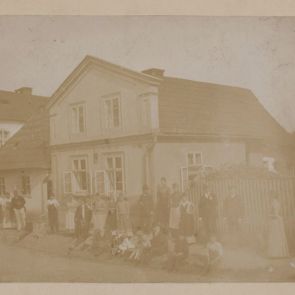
19, 264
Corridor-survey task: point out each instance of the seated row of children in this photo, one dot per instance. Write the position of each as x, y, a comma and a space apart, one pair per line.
141, 248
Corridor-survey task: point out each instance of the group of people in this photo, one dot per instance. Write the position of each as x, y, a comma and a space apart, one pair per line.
13, 211
166, 226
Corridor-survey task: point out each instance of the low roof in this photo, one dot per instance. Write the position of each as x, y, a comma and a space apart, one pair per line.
19, 106
29, 147
197, 108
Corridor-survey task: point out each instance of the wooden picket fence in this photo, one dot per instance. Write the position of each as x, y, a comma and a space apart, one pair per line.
255, 195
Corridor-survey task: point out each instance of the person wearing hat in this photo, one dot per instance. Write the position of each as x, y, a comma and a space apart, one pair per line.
83, 217
208, 212
145, 209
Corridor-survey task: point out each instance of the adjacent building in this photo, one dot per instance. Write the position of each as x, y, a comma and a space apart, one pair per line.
25, 156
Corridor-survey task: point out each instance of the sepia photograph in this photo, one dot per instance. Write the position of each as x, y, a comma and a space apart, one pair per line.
147, 149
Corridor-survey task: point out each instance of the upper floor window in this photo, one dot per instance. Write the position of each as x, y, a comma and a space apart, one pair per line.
4, 134
52, 127
112, 112
2, 186
78, 118
146, 112
194, 159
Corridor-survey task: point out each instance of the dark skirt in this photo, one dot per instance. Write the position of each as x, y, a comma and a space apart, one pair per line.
186, 226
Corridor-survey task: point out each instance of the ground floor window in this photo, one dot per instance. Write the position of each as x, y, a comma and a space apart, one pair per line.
101, 182
77, 180
115, 172
2, 186
68, 182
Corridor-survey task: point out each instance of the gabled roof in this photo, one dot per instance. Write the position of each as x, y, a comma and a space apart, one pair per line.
198, 108
90, 61
29, 147
19, 106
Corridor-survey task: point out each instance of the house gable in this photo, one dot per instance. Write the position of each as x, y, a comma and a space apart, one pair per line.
108, 99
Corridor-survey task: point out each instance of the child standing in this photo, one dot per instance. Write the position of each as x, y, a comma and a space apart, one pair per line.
72, 204
179, 254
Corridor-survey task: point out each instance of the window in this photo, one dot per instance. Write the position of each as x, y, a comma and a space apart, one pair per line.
80, 177
194, 159
67, 182
101, 182
146, 112
26, 185
78, 118
2, 186
4, 134
52, 128
112, 112
115, 173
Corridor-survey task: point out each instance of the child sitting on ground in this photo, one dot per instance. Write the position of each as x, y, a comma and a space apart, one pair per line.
214, 252
158, 247
142, 243
179, 254
126, 246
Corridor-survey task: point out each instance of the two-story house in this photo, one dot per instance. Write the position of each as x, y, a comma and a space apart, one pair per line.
113, 129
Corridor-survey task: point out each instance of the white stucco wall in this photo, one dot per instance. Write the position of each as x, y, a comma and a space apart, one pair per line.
36, 200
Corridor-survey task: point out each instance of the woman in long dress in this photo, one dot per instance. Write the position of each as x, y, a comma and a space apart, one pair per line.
174, 219
187, 225
8, 214
72, 205
277, 246
123, 215
101, 210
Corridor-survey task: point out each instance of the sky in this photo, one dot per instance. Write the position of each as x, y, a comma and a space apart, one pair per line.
252, 52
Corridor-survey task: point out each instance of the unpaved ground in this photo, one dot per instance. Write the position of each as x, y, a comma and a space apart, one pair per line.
20, 264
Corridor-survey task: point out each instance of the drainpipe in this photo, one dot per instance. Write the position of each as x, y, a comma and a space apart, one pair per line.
149, 177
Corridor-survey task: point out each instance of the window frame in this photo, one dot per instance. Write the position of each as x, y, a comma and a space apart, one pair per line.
112, 185
75, 126
105, 183
111, 98
68, 172
146, 112
75, 181
194, 156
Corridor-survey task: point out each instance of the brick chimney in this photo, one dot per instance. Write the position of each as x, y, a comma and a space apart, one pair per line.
159, 73
24, 90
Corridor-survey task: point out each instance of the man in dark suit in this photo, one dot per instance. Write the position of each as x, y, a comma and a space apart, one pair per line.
83, 217
233, 211
208, 212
